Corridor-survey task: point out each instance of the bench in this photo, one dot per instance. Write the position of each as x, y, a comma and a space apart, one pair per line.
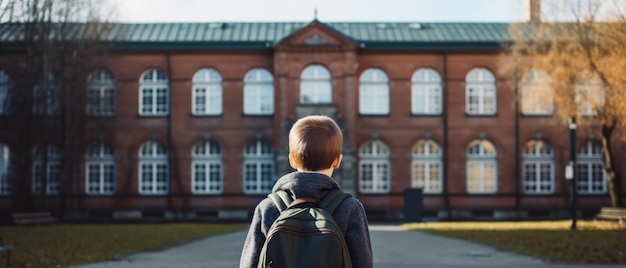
33, 217
612, 213
7, 248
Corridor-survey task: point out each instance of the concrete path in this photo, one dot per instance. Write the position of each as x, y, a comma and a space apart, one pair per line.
393, 248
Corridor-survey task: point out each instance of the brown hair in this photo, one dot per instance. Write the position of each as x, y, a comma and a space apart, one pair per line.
315, 141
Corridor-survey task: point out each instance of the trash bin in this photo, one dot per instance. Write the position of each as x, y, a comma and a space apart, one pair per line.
413, 204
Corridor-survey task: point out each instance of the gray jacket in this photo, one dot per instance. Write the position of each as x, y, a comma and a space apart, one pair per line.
350, 216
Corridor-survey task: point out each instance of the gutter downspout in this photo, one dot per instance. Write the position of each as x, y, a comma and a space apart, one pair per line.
169, 131
517, 144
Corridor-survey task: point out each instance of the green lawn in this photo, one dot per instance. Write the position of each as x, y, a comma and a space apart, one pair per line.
62, 245
598, 242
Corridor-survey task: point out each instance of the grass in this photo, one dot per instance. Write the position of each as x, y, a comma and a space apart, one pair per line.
595, 242
63, 245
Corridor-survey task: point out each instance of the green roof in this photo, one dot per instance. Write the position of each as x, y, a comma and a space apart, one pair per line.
248, 35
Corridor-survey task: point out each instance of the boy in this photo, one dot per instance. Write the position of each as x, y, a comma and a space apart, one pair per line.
315, 144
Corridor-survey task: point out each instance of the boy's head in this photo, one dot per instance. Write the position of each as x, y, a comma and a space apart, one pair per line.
315, 143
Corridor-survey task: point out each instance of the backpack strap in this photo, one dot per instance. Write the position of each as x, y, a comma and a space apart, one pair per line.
333, 199
281, 199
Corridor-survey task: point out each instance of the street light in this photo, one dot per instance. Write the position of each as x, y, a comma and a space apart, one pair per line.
570, 173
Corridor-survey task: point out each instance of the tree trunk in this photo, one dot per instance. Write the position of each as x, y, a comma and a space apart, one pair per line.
613, 178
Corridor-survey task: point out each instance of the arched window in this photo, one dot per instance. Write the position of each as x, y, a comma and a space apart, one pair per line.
207, 92
538, 168
258, 168
374, 92
154, 93
101, 100
315, 85
101, 176
153, 169
536, 93
589, 95
5, 170
258, 91
52, 170
426, 92
590, 174
427, 166
47, 96
207, 168
5, 93
480, 92
374, 167
482, 167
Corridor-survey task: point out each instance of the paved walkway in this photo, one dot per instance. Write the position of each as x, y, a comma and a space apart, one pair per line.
393, 248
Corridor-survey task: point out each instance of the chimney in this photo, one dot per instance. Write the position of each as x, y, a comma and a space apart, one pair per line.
533, 9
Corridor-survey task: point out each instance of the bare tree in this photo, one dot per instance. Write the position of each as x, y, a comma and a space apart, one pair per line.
581, 48
55, 44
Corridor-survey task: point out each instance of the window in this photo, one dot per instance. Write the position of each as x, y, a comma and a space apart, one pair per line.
374, 167
426, 167
207, 92
5, 93
374, 92
315, 85
589, 96
538, 168
536, 93
258, 168
482, 167
47, 96
480, 92
426, 92
258, 91
52, 170
101, 99
590, 174
153, 93
5, 170
206, 168
100, 169
153, 169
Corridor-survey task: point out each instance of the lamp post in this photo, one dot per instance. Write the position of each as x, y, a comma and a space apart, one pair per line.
570, 173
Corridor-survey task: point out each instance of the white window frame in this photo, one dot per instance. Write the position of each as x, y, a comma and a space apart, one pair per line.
207, 155
536, 155
101, 164
207, 92
154, 86
260, 156
316, 85
589, 96
5, 170
5, 93
426, 92
375, 154
481, 85
590, 156
374, 92
258, 91
153, 154
47, 96
53, 171
428, 154
101, 94
481, 154
537, 96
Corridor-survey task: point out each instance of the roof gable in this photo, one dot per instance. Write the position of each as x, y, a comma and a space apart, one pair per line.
316, 36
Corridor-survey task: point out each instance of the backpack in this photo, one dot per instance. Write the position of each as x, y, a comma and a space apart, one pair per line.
305, 234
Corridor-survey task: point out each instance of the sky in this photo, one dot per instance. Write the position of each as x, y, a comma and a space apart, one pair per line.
327, 10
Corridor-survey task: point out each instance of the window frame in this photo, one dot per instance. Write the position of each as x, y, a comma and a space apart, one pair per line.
260, 157
211, 154
537, 94
261, 82
427, 156
590, 155
428, 81
482, 159
53, 171
375, 153
51, 92
157, 84
6, 88
482, 82
5, 170
320, 79
374, 92
536, 154
210, 81
101, 155
153, 154
101, 94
